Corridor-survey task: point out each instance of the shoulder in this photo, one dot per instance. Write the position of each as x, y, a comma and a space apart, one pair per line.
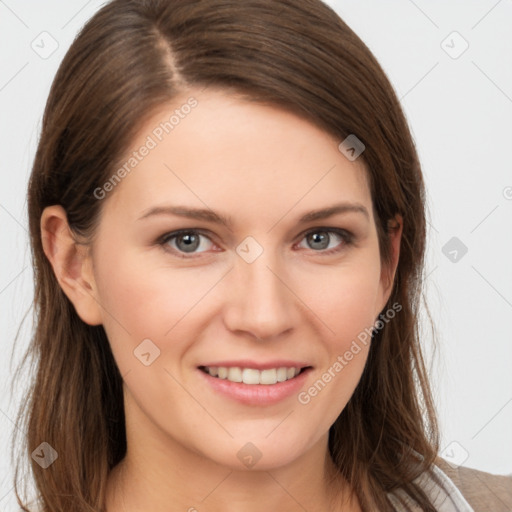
440, 489
459, 489
483, 491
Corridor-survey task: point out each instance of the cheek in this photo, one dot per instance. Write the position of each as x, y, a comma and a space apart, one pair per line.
344, 298
345, 301
141, 302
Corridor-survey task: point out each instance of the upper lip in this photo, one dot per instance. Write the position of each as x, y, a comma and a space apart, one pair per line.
257, 365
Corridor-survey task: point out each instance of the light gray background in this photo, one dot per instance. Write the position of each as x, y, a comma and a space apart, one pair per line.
460, 113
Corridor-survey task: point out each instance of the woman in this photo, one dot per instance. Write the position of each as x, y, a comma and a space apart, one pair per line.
228, 228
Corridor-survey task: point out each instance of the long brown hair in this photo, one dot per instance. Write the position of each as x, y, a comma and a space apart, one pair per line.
130, 58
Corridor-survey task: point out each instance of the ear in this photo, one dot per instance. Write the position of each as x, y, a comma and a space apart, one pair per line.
71, 263
395, 227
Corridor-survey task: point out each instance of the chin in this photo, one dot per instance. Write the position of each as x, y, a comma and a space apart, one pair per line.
256, 454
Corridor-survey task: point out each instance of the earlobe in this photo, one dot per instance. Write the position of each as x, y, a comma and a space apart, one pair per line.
71, 263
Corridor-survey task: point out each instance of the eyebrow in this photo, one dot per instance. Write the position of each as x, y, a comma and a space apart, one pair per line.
217, 218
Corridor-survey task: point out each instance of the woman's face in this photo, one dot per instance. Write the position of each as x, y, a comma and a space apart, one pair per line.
251, 299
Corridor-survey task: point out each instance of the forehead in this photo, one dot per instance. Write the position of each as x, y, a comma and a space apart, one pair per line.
214, 149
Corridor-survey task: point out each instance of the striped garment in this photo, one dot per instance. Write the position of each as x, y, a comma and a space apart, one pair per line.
445, 499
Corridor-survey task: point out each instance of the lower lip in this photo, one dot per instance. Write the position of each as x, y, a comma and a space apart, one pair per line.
257, 394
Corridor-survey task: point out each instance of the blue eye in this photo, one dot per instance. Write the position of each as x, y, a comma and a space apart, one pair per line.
319, 239
186, 242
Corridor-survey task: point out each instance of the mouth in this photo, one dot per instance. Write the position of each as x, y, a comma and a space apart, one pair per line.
253, 376
255, 383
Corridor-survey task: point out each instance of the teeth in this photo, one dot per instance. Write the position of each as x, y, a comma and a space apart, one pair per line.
268, 376
252, 376
235, 374
281, 374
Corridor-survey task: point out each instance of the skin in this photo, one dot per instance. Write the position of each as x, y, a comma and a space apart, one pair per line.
263, 167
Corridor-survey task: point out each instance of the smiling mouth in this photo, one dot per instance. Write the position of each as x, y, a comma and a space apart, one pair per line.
252, 376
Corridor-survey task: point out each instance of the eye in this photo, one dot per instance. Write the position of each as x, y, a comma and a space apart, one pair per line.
319, 239
186, 242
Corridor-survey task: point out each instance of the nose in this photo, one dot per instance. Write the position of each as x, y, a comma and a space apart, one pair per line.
261, 301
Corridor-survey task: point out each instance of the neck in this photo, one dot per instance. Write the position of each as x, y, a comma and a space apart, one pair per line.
162, 475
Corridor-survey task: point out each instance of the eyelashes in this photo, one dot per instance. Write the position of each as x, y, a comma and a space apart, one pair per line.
192, 241
342, 234
181, 235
